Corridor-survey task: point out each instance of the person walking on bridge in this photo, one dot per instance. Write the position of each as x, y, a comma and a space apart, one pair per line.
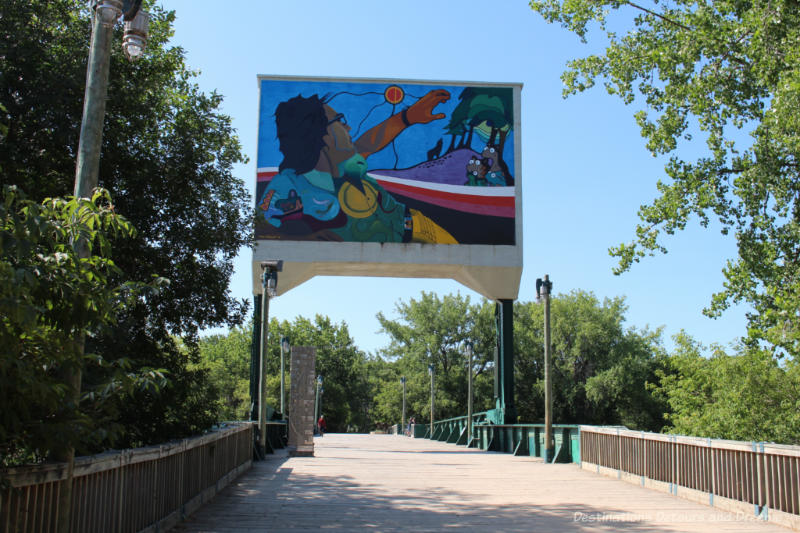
321, 425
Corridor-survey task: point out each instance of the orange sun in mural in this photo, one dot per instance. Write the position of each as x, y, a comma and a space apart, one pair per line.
394, 94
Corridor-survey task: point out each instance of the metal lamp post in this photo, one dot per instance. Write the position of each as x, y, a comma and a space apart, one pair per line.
269, 287
543, 289
284, 351
468, 349
105, 14
316, 400
403, 418
430, 371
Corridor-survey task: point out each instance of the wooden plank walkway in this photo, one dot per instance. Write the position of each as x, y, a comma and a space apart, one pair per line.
392, 483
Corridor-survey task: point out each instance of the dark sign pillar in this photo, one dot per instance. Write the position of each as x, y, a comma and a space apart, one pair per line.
504, 365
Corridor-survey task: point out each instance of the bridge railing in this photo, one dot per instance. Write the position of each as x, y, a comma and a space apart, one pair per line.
756, 478
518, 439
454, 430
144, 489
528, 439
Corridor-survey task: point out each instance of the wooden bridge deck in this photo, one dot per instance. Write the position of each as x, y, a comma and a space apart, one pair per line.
391, 483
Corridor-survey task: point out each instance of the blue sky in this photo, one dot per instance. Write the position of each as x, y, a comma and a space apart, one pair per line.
585, 170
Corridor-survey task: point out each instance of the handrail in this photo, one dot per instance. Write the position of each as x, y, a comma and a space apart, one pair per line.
517, 439
756, 478
143, 489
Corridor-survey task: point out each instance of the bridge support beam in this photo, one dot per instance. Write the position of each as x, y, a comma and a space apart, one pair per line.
255, 357
504, 363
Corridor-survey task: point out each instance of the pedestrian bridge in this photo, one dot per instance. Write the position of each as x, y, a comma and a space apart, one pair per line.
624, 481
393, 483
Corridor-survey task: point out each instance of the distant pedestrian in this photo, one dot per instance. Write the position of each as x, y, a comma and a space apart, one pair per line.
321, 427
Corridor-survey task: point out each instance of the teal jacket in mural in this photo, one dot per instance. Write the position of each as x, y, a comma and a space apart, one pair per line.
355, 208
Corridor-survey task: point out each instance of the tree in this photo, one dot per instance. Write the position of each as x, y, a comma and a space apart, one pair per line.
49, 296
345, 400
432, 331
600, 368
746, 396
167, 159
729, 72
490, 110
227, 360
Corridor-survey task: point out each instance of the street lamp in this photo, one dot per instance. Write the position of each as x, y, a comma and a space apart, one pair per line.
134, 39
468, 349
430, 371
269, 289
403, 418
284, 350
105, 13
543, 289
316, 401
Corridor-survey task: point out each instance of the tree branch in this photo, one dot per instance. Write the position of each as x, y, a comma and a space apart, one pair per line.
662, 17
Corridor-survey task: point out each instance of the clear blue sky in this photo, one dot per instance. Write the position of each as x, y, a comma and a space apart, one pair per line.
585, 170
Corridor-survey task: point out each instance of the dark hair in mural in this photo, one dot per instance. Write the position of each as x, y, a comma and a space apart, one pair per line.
301, 124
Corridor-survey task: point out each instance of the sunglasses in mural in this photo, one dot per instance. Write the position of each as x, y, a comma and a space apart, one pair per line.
382, 162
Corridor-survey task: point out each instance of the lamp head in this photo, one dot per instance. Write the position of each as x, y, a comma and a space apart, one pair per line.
134, 39
269, 277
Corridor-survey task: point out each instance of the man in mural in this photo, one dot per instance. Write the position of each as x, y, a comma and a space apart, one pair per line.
322, 190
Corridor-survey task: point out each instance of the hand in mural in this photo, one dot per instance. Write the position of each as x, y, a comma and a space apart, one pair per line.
422, 110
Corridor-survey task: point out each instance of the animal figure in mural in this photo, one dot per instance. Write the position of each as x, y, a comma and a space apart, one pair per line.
434, 152
322, 189
486, 171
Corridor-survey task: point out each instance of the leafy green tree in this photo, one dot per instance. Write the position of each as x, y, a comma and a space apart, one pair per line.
227, 360
49, 296
433, 331
167, 159
729, 73
600, 368
346, 401
747, 396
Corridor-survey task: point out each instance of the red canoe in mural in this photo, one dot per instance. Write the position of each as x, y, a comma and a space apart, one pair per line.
491, 201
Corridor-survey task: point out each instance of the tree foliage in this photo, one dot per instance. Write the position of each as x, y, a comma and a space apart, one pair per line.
746, 396
49, 297
345, 400
729, 72
227, 361
600, 368
432, 331
167, 159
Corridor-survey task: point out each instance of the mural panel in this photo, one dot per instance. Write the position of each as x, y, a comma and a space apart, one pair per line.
369, 161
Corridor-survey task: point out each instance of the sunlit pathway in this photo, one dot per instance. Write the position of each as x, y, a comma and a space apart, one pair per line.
390, 483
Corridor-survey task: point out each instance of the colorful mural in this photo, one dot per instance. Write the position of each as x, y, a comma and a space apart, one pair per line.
385, 162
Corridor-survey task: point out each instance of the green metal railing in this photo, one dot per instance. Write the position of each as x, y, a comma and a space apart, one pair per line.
517, 439
528, 439
454, 430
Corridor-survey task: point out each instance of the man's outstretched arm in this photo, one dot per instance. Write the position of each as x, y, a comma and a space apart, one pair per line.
421, 112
